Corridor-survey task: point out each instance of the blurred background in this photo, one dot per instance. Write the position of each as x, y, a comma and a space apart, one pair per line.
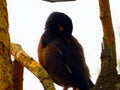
26, 25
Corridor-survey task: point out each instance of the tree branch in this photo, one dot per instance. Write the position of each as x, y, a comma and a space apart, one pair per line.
17, 75
32, 65
108, 77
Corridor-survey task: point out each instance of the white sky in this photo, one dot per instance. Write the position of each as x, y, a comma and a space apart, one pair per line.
26, 24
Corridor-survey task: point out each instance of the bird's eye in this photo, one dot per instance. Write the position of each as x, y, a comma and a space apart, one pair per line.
61, 28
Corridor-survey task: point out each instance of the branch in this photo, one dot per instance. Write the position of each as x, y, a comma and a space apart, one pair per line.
18, 75
109, 37
108, 77
32, 65
109, 47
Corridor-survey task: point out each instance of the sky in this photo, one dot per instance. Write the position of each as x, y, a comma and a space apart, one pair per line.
26, 25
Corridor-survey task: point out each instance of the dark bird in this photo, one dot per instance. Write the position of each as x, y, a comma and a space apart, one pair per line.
61, 54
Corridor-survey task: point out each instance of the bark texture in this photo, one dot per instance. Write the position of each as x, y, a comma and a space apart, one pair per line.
6, 82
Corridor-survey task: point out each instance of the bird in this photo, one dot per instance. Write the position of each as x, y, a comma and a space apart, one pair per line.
62, 56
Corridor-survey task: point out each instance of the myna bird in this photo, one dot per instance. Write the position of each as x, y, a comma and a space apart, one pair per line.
61, 54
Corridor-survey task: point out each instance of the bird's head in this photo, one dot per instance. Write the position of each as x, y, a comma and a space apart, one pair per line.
60, 24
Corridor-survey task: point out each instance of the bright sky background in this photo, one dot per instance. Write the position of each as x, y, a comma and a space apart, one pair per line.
26, 25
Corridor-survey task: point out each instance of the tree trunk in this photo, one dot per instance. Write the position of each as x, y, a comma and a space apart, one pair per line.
6, 82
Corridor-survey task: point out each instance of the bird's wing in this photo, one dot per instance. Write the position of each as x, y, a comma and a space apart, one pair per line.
73, 59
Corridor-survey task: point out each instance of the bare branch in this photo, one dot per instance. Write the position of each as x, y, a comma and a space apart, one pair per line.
32, 65
108, 77
17, 75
